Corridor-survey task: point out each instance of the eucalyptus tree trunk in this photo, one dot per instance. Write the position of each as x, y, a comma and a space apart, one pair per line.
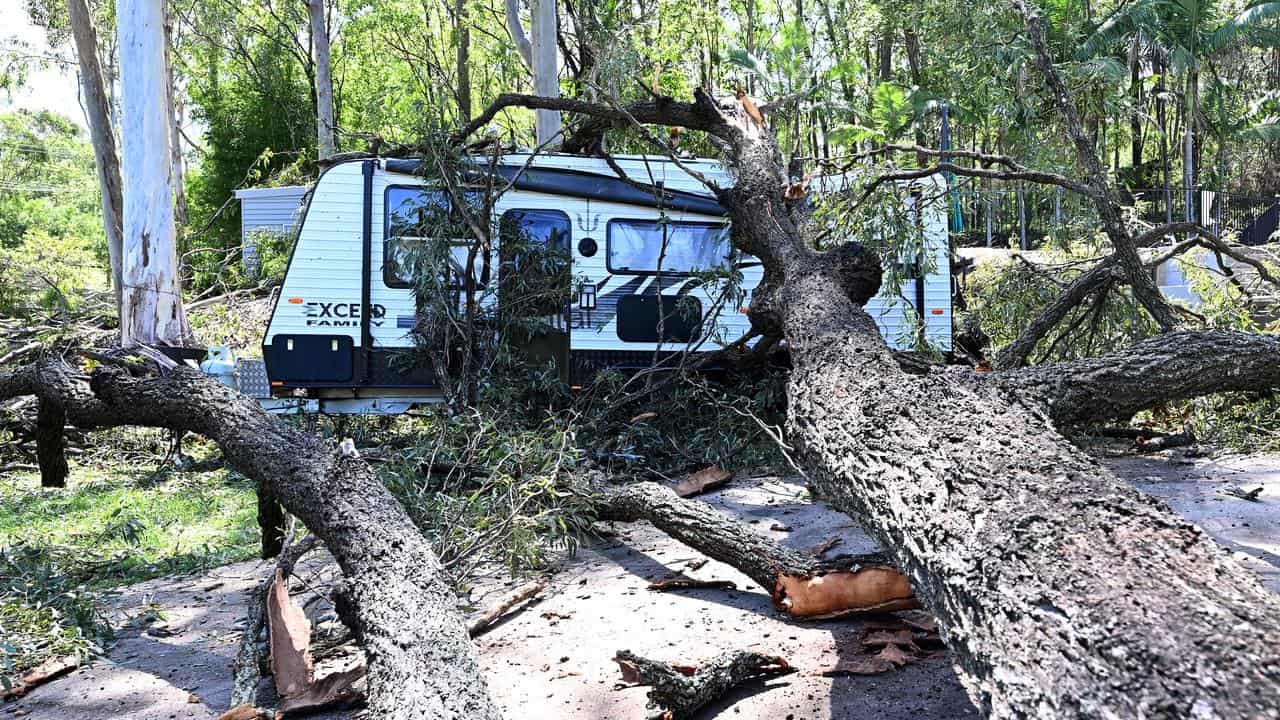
177, 166
539, 54
463, 60
546, 77
151, 309
97, 110
324, 80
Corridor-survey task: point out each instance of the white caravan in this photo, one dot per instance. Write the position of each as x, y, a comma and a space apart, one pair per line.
342, 320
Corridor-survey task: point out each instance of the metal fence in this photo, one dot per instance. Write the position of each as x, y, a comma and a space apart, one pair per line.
1026, 216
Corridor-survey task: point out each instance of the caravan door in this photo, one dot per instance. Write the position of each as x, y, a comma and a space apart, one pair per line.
535, 282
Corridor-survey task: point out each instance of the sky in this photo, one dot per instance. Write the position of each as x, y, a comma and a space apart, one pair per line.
54, 87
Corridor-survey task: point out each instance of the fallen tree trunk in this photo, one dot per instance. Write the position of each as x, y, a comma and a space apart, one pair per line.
421, 662
801, 585
1061, 591
1173, 366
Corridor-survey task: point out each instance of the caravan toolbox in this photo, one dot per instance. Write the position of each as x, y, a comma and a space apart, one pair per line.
639, 250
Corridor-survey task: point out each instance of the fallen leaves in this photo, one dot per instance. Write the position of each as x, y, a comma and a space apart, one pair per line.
887, 646
705, 479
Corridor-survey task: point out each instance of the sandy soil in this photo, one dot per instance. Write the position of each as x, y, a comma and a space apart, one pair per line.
553, 659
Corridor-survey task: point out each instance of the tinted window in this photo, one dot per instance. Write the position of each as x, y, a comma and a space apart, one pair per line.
647, 246
415, 216
534, 246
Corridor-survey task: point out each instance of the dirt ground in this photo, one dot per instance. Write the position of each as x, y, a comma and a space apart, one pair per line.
553, 659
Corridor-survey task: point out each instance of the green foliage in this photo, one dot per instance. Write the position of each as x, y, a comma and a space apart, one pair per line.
52, 253
62, 551
1004, 297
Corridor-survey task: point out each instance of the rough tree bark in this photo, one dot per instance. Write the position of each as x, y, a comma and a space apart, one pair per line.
324, 79
151, 307
1060, 590
97, 110
421, 662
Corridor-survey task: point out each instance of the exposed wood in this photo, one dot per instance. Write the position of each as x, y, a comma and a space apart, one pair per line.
680, 691
421, 662
705, 479
246, 675
289, 632
51, 669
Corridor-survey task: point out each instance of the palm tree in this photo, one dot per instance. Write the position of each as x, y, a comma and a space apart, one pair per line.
1186, 34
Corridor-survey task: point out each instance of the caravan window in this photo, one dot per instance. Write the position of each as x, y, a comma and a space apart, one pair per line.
641, 247
414, 216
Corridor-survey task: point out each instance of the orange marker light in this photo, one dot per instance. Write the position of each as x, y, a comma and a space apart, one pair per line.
936, 311
295, 301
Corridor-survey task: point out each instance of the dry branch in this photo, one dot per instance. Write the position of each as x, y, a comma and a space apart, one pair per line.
801, 585
680, 691
482, 624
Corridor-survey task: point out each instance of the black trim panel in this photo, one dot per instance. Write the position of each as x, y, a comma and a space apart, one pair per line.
581, 184
386, 368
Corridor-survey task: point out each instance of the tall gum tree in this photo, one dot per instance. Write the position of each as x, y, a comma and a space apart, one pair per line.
97, 110
151, 305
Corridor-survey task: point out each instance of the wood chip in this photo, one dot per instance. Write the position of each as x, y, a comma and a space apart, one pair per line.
242, 712
705, 479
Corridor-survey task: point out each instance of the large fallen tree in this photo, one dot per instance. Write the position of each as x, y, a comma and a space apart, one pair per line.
1061, 591
421, 661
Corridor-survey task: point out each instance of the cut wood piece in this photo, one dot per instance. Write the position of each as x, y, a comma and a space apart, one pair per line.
705, 479
504, 605
289, 631
840, 593
243, 712
51, 669
680, 691
337, 688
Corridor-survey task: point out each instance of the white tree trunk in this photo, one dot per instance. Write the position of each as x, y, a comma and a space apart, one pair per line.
324, 80
97, 110
546, 77
152, 302
177, 167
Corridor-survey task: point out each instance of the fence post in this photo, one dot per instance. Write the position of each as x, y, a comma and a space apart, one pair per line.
1022, 220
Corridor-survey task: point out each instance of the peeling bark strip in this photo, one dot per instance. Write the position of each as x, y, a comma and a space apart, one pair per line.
801, 586
1061, 591
421, 662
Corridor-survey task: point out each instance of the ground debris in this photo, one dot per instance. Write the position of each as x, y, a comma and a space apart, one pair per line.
708, 478
889, 645
681, 690
50, 669
680, 581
